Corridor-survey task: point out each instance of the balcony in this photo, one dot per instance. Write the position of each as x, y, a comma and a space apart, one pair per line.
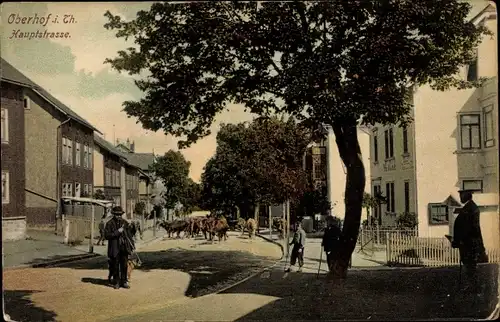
389, 164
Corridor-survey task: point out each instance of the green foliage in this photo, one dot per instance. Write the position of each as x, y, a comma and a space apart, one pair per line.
407, 220
259, 162
140, 208
324, 60
173, 169
314, 201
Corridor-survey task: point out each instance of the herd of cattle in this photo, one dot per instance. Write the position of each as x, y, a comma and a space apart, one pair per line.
211, 226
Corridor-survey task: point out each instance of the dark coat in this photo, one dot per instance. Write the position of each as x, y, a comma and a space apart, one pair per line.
331, 238
467, 234
116, 240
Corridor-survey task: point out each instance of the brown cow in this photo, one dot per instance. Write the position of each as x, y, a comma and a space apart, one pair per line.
251, 227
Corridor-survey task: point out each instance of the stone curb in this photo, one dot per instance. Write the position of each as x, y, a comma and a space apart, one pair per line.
256, 273
273, 242
54, 262
76, 258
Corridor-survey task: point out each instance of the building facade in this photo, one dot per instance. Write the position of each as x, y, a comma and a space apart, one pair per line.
13, 161
336, 171
452, 145
57, 151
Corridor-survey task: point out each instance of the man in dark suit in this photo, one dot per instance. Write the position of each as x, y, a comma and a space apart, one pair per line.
118, 249
468, 239
331, 239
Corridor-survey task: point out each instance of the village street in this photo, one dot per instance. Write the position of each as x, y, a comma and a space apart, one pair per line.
172, 271
371, 292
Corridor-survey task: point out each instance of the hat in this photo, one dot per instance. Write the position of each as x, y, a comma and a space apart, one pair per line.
117, 211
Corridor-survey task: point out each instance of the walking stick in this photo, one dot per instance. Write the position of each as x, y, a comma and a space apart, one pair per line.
320, 259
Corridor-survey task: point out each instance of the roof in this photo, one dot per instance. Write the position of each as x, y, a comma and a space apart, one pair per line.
141, 160
108, 146
485, 11
11, 74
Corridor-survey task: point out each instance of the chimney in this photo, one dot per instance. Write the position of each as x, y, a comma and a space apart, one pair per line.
132, 146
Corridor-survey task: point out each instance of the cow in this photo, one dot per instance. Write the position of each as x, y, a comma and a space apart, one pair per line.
219, 227
251, 227
241, 224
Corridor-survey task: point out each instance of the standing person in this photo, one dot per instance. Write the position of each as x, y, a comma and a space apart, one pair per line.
117, 247
331, 239
468, 239
298, 242
102, 224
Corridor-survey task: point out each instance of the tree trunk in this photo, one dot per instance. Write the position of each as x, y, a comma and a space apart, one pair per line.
256, 215
350, 153
238, 212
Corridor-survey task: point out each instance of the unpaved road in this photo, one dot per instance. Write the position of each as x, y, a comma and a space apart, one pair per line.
173, 271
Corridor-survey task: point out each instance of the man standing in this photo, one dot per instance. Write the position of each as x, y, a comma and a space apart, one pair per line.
117, 247
331, 239
468, 239
298, 242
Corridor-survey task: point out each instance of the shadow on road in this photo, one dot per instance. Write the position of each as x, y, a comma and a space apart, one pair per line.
20, 308
423, 293
96, 281
210, 270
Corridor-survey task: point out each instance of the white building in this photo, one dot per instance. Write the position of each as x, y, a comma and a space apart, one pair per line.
336, 171
451, 144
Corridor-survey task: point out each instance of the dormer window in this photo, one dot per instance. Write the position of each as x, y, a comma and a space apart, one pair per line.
472, 70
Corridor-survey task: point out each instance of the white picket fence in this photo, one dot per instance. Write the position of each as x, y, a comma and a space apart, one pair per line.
407, 250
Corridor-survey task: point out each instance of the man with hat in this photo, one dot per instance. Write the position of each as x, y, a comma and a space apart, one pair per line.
468, 239
298, 242
118, 251
331, 239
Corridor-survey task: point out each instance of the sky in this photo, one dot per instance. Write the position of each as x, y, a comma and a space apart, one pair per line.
72, 70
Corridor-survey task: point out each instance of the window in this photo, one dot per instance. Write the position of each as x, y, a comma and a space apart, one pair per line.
389, 144
489, 140
78, 156
27, 102
70, 152
474, 185
375, 149
389, 192
5, 187
438, 214
472, 70
407, 196
89, 155
470, 131
90, 192
67, 190
64, 150
86, 189
5, 125
405, 141
117, 178
108, 177
378, 208
85, 159
78, 191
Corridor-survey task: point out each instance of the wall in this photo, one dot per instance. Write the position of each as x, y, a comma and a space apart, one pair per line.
399, 169
72, 173
336, 175
98, 167
41, 122
13, 228
13, 152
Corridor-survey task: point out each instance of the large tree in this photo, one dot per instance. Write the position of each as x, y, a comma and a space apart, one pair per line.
257, 163
338, 63
173, 170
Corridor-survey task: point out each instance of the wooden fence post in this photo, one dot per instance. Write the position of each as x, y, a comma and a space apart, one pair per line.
378, 234
387, 248
91, 242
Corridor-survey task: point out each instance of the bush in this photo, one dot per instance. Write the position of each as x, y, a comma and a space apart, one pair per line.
407, 220
139, 208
